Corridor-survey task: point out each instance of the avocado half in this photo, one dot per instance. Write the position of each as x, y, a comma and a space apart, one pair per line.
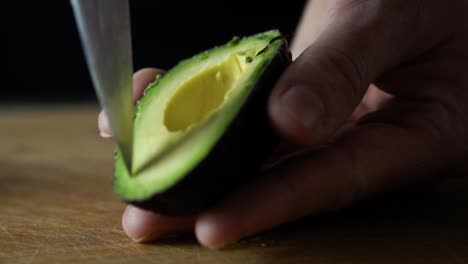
201, 130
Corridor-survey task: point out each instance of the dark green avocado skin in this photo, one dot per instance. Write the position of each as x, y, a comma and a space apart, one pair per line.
236, 157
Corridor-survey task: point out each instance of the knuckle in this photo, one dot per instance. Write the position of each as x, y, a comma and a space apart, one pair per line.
348, 70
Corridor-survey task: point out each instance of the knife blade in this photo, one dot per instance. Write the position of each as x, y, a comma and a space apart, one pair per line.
105, 33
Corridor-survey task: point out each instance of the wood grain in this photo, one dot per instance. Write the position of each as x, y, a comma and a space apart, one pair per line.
57, 206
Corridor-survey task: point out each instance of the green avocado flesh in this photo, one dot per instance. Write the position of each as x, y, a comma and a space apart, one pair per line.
192, 126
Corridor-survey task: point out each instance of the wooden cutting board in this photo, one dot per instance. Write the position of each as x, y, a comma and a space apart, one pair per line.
57, 206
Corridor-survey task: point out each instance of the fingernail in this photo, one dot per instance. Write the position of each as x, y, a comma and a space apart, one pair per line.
104, 135
302, 105
206, 232
139, 225
139, 239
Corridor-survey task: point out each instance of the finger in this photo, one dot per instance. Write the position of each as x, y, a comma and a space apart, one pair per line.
373, 100
103, 125
372, 157
309, 26
320, 90
141, 80
143, 226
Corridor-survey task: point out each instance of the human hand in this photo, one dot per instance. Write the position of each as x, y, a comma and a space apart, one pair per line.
409, 128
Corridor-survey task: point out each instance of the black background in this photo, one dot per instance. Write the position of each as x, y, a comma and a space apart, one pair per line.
43, 61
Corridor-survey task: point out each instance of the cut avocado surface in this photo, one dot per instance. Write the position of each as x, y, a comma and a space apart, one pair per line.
201, 130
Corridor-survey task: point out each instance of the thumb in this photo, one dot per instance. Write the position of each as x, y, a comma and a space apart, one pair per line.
319, 91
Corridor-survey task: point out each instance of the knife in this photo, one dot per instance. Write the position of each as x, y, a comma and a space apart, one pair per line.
105, 33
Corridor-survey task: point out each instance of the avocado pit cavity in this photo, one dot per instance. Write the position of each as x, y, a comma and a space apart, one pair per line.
203, 94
